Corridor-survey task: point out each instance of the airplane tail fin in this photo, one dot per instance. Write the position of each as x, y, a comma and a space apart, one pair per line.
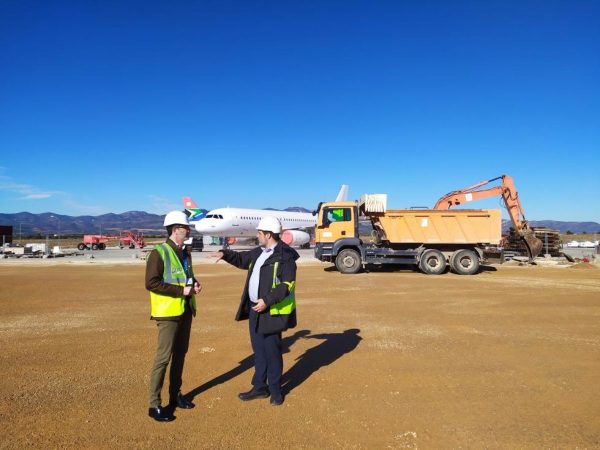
189, 203
192, 210
343, 194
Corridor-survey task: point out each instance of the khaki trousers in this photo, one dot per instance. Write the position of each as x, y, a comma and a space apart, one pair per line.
173, 343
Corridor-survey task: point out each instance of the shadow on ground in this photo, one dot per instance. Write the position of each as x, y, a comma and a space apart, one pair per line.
333, 347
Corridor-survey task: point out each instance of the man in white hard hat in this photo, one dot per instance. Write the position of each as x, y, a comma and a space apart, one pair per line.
170, 280
269, 302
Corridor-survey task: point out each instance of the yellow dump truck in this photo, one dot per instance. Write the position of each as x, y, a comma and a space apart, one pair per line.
431, 239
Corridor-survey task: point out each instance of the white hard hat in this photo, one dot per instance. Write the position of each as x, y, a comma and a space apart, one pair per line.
269, 223
176, 218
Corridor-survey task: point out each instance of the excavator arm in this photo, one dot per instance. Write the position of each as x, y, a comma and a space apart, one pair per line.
510, 196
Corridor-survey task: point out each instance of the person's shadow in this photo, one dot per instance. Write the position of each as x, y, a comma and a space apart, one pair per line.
334, 346
243, 365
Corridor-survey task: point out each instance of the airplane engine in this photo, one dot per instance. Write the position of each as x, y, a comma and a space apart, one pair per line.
295, 237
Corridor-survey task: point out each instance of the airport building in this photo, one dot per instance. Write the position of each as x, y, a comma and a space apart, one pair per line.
6, 234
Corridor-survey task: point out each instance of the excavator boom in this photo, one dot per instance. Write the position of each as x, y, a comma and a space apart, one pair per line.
510, 196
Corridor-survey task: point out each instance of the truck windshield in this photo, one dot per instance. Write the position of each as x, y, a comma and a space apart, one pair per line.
337, 215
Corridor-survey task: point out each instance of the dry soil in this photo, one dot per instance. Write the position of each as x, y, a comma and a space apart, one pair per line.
508, 358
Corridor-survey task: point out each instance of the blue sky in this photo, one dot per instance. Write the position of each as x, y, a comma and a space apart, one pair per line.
129, 105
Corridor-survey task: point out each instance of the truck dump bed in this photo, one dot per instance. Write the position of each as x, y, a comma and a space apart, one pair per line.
466, 226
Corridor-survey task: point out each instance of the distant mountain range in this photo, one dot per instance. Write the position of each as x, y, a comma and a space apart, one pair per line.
51, 223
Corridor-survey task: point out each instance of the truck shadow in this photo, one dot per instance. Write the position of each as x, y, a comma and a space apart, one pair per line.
388, 268
244, 365
333, 347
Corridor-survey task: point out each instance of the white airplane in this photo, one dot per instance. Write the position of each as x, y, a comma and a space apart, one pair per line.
242, 222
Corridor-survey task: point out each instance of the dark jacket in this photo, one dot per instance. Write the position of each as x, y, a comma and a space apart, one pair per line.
286, 272
154, 276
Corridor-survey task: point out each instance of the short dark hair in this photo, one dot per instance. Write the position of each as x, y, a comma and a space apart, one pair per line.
274, 235
170, 229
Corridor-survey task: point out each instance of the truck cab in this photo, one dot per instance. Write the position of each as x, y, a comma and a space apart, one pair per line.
337, 220
336, 231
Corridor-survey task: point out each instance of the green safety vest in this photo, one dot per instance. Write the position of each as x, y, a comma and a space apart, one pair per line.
173, 273
288, 304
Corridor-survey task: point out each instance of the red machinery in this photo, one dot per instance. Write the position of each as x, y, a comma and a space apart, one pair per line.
131, 239
94, 241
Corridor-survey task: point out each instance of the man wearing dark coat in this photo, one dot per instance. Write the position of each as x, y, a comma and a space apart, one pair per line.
268, 302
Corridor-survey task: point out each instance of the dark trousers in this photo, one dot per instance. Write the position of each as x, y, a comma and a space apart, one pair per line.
173, 343
268, 362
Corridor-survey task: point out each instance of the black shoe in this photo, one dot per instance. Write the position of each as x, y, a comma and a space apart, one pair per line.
276, 399
253, 394
181, 402
160, 414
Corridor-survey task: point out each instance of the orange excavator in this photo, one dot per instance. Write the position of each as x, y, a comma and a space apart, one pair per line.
511, 200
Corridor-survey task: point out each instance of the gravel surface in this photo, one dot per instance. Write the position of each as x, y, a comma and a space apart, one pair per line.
508, 358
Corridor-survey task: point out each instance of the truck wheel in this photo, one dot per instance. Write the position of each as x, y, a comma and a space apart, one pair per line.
101, 246
94, 246
433, 262
348, 261
132, 246
81, 246
464, 262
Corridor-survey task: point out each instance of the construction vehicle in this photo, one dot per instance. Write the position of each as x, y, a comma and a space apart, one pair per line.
430, 239
94, 242
131, 239
509, 194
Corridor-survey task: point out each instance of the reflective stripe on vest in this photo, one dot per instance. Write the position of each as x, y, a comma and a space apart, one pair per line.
173, 273
288, 304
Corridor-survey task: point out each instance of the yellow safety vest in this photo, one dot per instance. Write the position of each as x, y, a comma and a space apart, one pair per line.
173, 273
288, 304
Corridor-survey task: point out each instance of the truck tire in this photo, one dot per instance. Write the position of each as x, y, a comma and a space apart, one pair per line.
81, 246
464, 262
348, 261
101, 246
433, 262
132, 246
94, 246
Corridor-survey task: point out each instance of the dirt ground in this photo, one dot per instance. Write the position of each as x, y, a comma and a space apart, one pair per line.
508, 358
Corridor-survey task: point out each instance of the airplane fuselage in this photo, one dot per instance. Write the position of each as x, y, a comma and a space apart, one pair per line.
242, 222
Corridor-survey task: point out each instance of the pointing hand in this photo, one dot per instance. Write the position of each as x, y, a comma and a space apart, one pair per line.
218, 255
